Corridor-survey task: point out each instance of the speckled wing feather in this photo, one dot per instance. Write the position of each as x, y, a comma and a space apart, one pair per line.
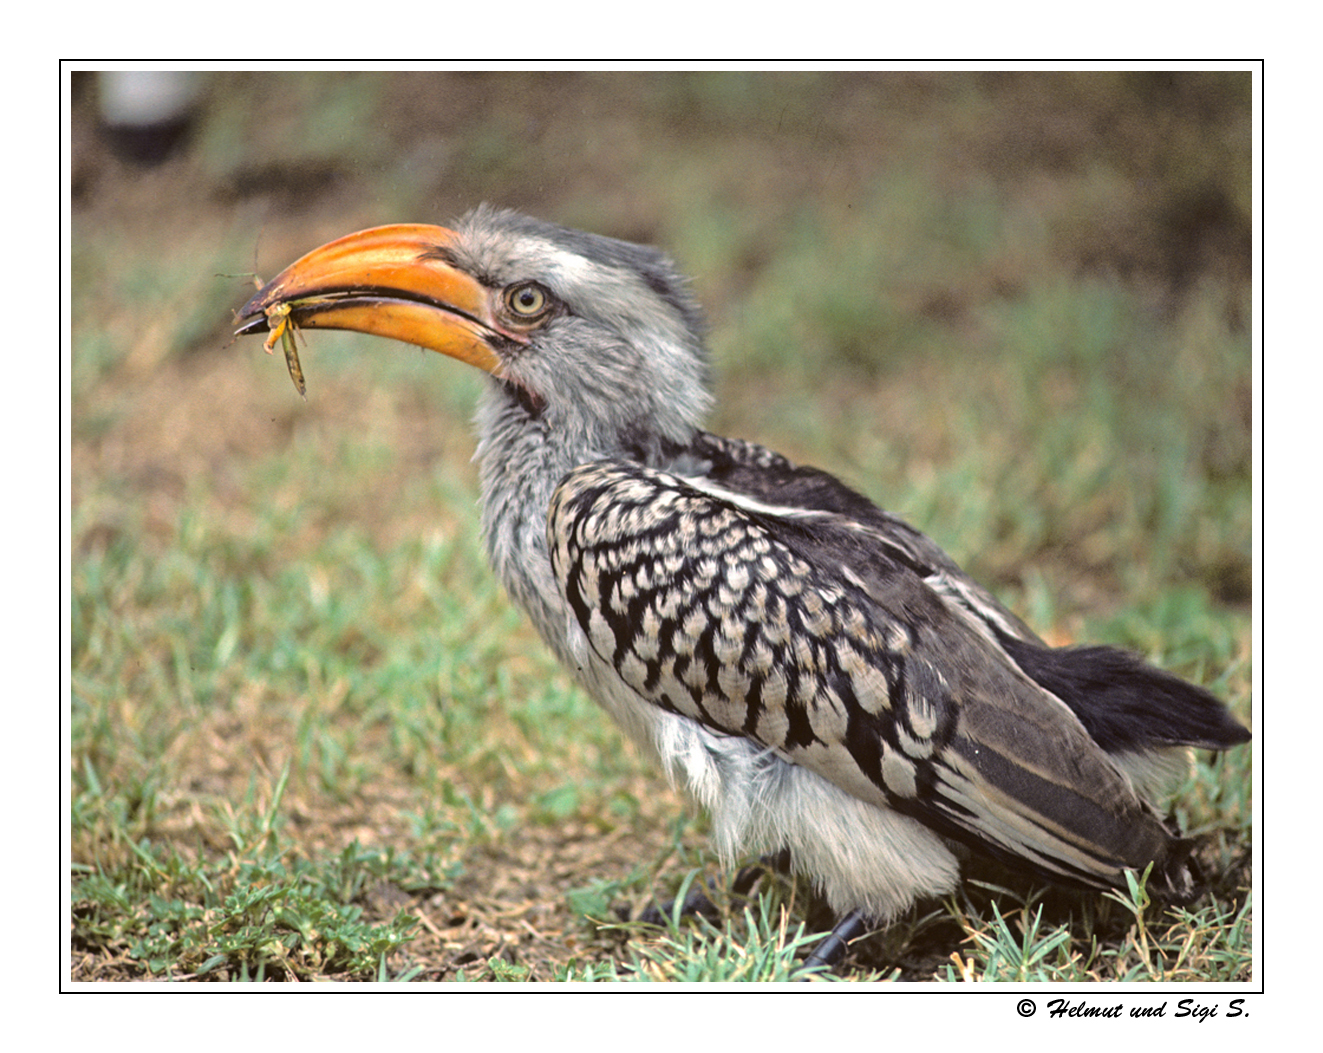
810, 630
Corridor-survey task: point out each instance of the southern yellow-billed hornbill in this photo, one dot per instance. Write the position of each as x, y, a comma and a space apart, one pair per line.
821, 676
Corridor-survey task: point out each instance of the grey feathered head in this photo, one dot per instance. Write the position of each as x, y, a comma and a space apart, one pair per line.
621, 342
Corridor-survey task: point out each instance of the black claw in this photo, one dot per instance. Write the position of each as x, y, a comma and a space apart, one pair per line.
773, 863
696, 902
831, 949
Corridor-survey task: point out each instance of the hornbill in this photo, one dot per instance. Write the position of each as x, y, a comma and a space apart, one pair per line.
820, 676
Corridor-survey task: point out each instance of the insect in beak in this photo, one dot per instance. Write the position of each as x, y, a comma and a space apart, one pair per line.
283, 329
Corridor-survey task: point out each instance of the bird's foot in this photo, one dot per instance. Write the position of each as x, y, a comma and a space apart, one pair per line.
696, 901
832, 947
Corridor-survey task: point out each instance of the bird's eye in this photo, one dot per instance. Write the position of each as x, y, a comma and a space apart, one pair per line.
527, 301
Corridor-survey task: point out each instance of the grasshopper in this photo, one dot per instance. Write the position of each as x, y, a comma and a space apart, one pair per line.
283, 329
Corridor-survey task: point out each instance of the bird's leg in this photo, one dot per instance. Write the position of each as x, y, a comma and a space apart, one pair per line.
831, 949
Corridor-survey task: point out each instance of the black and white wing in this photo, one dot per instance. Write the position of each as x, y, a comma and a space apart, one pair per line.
808, 629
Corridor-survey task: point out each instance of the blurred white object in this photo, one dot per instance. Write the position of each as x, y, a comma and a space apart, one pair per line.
147, 113
139, 97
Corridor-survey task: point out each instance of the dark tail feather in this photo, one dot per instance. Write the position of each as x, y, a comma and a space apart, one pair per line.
1124, 703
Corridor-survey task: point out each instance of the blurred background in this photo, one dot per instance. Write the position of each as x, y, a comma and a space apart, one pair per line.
1013, 308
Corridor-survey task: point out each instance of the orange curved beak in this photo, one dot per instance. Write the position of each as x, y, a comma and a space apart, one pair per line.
392, 281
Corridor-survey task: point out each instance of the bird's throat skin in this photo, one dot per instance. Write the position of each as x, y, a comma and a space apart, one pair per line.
819, 675
523, 458
520, 464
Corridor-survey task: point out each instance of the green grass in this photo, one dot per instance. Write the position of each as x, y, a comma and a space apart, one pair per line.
311, 739
249, 913
1210, 944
